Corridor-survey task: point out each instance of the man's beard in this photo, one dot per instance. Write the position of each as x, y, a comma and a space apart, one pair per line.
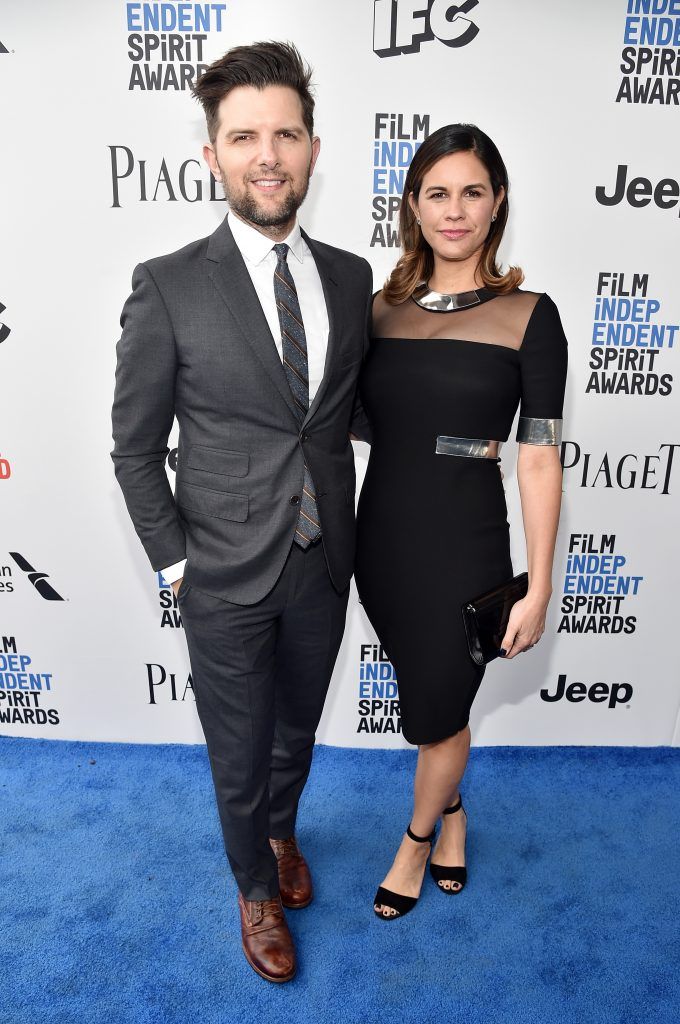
245, 205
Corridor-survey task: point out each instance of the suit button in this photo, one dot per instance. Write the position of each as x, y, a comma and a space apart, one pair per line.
304, 437
295, 500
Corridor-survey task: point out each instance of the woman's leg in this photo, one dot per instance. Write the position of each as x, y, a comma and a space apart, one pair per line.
438, 773
431, 784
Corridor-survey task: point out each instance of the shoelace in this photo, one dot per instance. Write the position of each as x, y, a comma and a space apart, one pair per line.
265, 908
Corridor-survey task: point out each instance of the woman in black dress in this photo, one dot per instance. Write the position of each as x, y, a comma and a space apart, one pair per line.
456, 347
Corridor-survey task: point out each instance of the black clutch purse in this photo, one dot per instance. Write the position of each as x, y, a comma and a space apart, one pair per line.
486, 618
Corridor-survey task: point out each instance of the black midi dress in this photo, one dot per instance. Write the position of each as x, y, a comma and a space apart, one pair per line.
432, 527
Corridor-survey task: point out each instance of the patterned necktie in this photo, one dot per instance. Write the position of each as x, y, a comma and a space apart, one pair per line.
294, 353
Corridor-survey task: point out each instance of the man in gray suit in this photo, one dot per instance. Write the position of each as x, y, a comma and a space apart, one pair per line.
253, 338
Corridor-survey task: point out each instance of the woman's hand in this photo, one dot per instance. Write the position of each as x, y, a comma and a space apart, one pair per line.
526, 625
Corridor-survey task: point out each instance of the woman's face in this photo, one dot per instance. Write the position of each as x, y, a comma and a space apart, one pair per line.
455, 206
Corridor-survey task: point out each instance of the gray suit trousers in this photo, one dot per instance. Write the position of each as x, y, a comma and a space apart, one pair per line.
260, 674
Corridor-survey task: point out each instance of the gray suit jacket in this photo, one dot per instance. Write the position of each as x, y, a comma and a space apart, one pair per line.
196, 345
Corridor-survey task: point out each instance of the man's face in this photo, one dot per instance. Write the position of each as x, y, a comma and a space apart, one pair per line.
263, 155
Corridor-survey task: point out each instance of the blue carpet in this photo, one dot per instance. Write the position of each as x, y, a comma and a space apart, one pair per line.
117, 905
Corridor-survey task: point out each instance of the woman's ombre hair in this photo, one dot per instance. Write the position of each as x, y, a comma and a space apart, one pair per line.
416, 263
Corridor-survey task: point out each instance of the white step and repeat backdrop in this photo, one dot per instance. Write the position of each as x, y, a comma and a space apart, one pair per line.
102, 168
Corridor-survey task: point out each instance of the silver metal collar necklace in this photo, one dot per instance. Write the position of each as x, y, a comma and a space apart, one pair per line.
444, 302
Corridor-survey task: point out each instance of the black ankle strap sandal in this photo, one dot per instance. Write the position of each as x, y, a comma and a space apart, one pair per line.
445, 873
395, 900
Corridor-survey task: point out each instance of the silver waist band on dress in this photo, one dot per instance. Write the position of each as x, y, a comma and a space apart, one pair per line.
531, 430
468, 447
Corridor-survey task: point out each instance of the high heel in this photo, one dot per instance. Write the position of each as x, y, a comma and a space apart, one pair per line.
395, 900
445, 873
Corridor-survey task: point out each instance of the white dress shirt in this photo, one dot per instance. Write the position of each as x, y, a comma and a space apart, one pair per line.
260, 259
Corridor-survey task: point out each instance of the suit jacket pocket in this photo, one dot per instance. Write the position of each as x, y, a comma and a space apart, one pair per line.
207, 502
218, 460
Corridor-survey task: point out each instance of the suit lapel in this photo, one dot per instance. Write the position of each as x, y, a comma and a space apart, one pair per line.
230, 276
333, 305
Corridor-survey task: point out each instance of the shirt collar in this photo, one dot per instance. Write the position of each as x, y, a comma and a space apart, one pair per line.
255, 247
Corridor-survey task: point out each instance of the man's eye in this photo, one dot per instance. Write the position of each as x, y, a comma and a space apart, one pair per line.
287, 135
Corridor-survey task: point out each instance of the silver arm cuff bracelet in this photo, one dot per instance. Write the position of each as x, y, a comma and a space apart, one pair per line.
537, 431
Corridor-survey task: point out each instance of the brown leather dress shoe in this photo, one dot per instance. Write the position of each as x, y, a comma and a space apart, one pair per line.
267, 943
295, 881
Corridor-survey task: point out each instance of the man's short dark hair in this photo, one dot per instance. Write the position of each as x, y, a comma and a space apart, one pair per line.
259, 66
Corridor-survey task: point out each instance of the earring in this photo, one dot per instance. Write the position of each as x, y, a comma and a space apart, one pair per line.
418, 221
493, 218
